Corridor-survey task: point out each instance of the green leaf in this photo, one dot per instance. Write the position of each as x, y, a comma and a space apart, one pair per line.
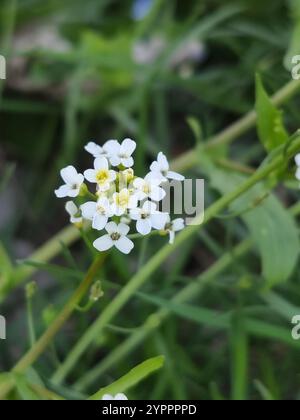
271, 130
273, 229
6, 267
24, 389
132, 378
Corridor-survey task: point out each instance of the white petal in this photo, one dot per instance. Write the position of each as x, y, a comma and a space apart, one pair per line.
71, 208
79, 179
99, 221
94, 149
90, 175
178, 225
88, 210
175, 176
133, 201
138, 183
107, 397
155, 167
101, 163
121, 397
143, 226
112, 147
123, 229
297, 159
128, 146
159, 220
163, 162
298, 174
111, 227
135, 214
128, 162
154, 179
69, 174
63, 191
149, 207
115, 160
104, 243
124, 245
112, 176
157, 194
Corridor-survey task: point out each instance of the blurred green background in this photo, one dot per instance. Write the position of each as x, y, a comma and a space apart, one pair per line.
98, 69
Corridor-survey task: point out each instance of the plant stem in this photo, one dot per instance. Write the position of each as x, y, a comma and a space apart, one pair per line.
70, 234
45, 340
143, 275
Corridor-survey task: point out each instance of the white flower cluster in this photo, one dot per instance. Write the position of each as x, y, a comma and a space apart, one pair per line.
120, 197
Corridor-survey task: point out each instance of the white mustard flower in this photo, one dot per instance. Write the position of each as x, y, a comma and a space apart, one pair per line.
121, 154
149, 187
297, 160
98, 212
161, 167
116, 236
116, 397
148, 218
73, 182
123, 201
101, 174
74, 212
172, 227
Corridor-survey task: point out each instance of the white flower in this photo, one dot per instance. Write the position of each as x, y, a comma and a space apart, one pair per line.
120, 154
101, 175
95, 150
74, 212
73, 182
149, 187
98, 212
116, 237
162, 167
116, 397
172, 227
148, 218
297, 160
122, 201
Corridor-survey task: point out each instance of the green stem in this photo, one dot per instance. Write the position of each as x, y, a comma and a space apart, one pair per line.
143, 275
45, 340
69, 235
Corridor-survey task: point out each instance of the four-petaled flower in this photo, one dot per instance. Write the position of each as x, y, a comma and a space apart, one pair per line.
123, 201
149, 187
121, 154
99, 212
116, 236
101, 175
172, 227
148, 218
161, 168
73, 182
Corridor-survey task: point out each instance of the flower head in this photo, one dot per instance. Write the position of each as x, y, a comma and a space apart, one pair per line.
101, 174
116, 237
149, 187
73, 182
99, 212
147, 218
121, 154
161, 168
123, 201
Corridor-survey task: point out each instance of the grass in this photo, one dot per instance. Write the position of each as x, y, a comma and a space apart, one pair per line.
215, 305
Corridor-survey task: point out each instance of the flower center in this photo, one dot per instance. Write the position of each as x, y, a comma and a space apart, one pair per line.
115, 236
101, 209
144, 215
102, 176
169, 226
146, 189
122, 199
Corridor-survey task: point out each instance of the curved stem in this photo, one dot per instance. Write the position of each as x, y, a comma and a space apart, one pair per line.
45, 340
143, 275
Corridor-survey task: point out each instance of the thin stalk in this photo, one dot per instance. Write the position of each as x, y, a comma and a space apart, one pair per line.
46, 339
148, 270
69, 235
